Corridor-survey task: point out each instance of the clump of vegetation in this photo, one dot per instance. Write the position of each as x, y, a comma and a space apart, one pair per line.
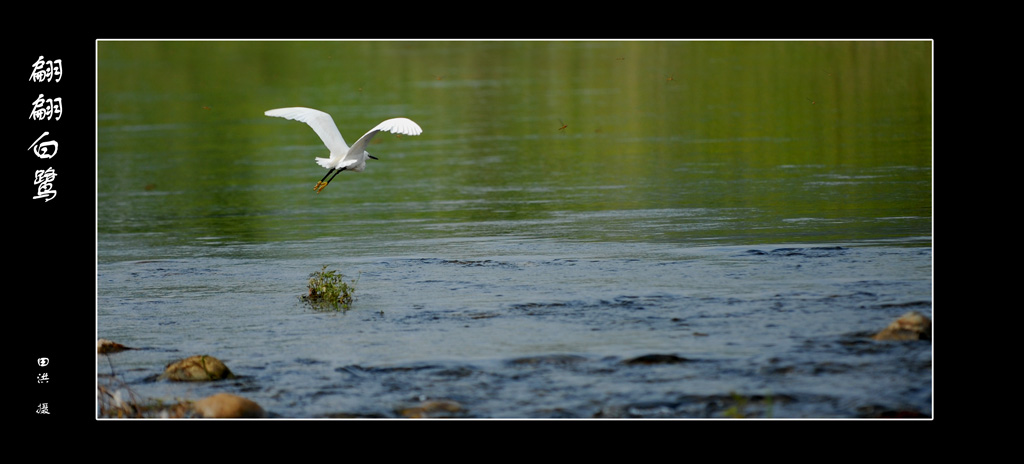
122, 403
740, 402
736, 410
329, 291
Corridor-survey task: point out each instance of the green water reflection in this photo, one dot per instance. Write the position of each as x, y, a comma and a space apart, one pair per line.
731, 142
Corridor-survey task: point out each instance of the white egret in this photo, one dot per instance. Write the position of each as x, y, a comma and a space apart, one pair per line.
343, 157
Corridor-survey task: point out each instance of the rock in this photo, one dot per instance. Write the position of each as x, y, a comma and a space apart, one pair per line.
432, 408
225, 405
910, 326
104, 346
656, 359
197, 368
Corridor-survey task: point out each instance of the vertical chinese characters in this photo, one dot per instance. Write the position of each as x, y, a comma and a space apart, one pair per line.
44, 377
45, 109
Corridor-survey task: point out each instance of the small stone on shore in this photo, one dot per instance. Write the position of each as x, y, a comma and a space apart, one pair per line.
226, 405
910, 326
197, 368
104, 346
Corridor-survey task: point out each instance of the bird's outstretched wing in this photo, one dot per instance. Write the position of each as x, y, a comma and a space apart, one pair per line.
321, 122
395, 125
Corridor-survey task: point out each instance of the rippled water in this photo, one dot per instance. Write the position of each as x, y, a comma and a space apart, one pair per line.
508, 265
539, 329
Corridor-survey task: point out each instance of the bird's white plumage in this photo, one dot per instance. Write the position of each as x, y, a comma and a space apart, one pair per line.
357, 152
341, 154
321, 122
343, 157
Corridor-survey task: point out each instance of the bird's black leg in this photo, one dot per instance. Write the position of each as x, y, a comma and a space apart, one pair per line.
325, 176
335, 175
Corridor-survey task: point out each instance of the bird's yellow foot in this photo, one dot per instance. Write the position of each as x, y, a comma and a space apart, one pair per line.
319, 186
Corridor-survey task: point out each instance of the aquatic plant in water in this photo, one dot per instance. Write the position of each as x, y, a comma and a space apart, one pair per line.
329, 291
738, 409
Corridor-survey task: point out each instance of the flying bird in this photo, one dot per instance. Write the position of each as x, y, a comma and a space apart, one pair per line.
343, 157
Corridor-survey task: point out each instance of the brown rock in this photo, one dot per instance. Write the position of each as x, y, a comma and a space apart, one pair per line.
910, 326
432, 408
197, 368
104, 346
225, 405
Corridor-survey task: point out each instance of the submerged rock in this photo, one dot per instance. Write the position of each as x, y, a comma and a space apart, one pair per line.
104, 346
910, 326
197, 368
432, 408
225, 405
656, 359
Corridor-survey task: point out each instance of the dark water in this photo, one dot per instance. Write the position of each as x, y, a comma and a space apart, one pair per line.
748, 213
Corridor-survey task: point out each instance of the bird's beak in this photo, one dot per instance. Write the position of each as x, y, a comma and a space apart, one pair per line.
371, 156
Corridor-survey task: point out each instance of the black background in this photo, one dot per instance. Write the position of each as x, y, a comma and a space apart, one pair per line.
53, 290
